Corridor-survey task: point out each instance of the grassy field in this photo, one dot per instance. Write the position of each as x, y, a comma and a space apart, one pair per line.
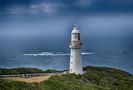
95, 78
29, 80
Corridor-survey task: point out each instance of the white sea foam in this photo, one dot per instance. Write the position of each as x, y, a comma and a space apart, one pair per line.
86, 53
53, 54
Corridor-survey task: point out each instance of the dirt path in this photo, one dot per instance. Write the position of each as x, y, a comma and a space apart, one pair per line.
29, 80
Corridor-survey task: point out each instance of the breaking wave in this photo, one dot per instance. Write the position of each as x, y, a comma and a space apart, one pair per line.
53, 54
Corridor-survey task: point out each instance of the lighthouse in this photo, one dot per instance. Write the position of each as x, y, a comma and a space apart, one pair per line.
76, 65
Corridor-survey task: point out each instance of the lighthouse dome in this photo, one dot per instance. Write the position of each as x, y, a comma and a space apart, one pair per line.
75, 30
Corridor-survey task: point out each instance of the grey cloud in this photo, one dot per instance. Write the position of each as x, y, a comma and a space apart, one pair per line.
45, 7
65, 6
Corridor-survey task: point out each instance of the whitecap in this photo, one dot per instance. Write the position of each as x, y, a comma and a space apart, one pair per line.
86, 53
53, 54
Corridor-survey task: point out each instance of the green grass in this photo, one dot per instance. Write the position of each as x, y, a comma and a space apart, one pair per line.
95, 78
19, 71
24, 70
15, 85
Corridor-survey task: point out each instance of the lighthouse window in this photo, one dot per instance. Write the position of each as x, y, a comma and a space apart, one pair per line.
78, 36
71, 62
75, 36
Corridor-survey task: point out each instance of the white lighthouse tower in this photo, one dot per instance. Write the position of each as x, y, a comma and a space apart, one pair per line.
76, 65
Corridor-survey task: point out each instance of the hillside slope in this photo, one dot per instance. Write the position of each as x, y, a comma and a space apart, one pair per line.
95, 78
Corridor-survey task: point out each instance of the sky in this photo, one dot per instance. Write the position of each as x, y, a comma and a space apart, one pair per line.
37, 18
64, 6
29, 26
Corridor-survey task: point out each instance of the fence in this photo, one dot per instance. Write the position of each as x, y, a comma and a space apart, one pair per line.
31, 75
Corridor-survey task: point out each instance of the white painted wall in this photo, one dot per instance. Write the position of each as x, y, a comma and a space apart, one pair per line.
76, 65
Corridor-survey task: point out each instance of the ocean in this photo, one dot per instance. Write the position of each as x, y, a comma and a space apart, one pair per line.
53, 52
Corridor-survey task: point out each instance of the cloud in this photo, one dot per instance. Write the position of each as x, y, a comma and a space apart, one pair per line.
34, 8
45, 7
15, 9
65, 6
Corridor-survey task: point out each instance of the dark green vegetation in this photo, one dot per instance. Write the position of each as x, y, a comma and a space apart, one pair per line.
19, 71
52, 71
23, 70
95, 78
